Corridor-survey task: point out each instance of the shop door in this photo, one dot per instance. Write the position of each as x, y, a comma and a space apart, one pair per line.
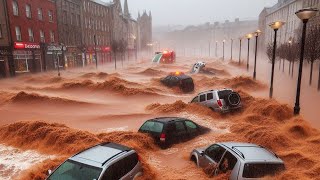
2, 67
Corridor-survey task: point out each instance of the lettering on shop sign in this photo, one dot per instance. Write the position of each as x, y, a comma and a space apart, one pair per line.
22, 45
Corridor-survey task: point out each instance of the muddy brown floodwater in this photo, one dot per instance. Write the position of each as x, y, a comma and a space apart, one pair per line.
54, 117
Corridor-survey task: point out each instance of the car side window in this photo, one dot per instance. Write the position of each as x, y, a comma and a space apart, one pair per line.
121, 167
202, 97
215, 152
180, 127
209, 96
228, 162
191, 127
195, 100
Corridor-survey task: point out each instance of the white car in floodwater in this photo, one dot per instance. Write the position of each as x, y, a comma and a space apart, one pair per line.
196, 68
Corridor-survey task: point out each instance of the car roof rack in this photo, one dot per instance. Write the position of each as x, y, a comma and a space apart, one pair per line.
237, 151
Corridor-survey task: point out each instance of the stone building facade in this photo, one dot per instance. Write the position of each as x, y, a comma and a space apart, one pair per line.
284, 11
145, 28
70, 33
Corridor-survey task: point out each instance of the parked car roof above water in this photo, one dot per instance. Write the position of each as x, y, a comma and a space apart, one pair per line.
100, 154
252, 152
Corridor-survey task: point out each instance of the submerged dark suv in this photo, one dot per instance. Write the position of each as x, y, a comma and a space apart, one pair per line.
170, 130
184, 82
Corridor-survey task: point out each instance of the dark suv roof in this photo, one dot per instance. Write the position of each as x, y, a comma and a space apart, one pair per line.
165, 119
100, 154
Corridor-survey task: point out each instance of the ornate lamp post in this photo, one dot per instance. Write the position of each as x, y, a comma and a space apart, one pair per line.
303, 14
275, 26
231, 47
216, 53
256, 34
223, 49
240, 39
248, 36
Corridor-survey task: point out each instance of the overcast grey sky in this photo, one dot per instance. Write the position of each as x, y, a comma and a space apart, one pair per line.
187, 12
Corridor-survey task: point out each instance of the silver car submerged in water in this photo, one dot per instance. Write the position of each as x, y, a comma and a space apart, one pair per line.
105, 161
241, 160
223, 100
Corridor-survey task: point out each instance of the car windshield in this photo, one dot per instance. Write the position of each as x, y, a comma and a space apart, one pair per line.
71, 170
157, 58
152, 126
259, 170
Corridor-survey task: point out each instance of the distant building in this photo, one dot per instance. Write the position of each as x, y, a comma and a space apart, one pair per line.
145, 25
314, 4
30, 26
284, 11
70, 32
262, 27
96, 26
6, 58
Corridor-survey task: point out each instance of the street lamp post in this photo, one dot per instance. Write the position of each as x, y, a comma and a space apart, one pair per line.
216, 48
95, 50
240, 50
223, 49
303, 14
231, 47
256, 34
275, 26
248, 36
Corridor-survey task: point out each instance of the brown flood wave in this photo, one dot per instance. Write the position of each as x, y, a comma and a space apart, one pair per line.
63, 142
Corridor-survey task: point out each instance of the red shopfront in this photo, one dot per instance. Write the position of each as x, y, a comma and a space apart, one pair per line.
28, 57
103, 52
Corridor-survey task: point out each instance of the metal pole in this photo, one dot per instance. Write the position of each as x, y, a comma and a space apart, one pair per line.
209, 48
248, 54
223, 51
231, 48
216, 49
240, 51
297, 104
58, 63
273, 62
95, 50
255, 59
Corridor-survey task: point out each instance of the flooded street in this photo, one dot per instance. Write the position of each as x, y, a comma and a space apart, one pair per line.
63, 115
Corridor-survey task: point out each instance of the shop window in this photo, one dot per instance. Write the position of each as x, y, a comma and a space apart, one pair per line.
50, 14
28, 11
40, 17
15, 8
42, 38
30, 32
18, 33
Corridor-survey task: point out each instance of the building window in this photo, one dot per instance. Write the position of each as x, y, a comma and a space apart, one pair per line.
50, 14
30, 32
71, 18
42, 38
15, 8
18, 33
78, 21
28, 10
1, 36
52, 36
40, 14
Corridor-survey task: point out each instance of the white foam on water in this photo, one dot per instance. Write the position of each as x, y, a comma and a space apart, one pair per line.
123, 128
13, 161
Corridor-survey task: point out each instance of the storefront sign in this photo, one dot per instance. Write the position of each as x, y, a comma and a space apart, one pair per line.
23, 45
54, 48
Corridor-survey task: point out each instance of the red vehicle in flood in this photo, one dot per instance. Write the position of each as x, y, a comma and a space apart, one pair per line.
165, 57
